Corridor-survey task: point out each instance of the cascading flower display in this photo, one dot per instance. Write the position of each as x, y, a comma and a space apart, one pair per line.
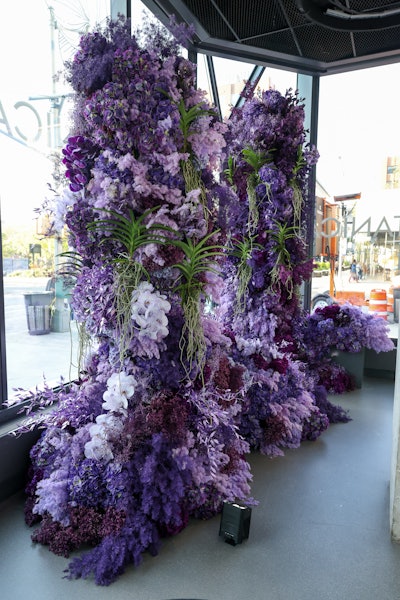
267, 166
149, 436
343, 327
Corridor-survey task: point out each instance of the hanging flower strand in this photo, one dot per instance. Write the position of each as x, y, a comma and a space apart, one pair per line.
242, 250
198, 260
190, 174
281, 272
298, 201
256, 160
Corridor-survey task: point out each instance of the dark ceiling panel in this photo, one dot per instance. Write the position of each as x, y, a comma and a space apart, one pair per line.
206, 14
367, 42
368, 5
253, 18
294, 16
324, 45
276, 42
293, 34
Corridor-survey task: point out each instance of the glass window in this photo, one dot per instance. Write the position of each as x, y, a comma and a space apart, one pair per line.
278, 79
40, 332
203, 77
231, 76
358, 169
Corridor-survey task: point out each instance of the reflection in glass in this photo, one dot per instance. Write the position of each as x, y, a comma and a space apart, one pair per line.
41, 335
278, 79
231, 76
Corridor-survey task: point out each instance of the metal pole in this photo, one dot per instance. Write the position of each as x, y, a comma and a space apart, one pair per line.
308, 87
60, 321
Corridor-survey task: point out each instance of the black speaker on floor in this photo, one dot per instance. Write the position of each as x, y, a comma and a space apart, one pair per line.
235, 523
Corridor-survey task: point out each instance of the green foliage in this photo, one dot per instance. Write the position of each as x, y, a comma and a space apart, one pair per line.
230, 171
131, 232
322, 265
242, 249
300, 162
198, 260
72, 267
255, 158
188, 117
280, 236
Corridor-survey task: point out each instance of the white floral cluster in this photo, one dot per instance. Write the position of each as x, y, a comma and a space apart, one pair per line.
108, 426
149, 311
248, 346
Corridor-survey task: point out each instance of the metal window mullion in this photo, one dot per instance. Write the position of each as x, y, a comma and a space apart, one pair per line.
214, 86
3, 361
308, 86
253, 80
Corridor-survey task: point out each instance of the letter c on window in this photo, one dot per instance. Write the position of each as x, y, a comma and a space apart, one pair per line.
21, 104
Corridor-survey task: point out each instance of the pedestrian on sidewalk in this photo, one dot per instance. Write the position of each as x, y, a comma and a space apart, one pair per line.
353, 272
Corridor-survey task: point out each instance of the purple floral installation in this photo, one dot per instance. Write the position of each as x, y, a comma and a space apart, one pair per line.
266, 173
188, 289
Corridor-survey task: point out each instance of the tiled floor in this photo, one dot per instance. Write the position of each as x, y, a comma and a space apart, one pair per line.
321, 530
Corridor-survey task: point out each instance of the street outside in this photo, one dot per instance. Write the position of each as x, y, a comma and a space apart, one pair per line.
30, 358
320, 285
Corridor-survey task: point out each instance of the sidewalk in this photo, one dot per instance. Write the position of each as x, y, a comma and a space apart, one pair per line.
320, 285
30, 358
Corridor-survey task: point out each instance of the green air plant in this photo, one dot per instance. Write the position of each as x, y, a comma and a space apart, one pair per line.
198, 260
280, 237
72, 267
190, 173
243, 251
297, 195
230, 171
256, 160
132, 233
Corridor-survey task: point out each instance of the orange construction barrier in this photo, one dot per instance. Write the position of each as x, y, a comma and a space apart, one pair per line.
390, 300
378, 303
353, 297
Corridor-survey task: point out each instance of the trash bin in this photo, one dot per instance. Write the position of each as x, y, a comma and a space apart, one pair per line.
38, 312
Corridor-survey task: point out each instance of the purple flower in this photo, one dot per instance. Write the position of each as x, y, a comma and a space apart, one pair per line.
79, 154
345, 327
